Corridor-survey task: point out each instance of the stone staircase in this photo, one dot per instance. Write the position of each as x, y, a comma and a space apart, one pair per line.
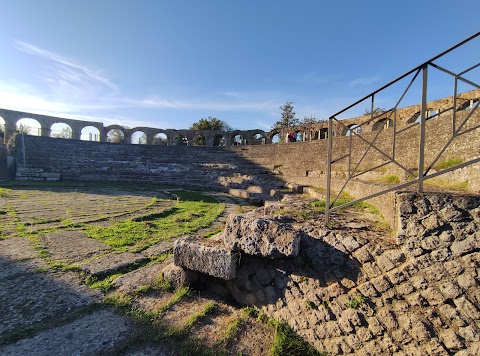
207, 167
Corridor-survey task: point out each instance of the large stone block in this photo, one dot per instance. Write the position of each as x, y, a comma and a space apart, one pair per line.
261, 237
179, 276
206, 256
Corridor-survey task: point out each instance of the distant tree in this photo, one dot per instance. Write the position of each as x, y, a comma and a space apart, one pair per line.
65, 132
212, 123
180, 140
115, 136
161, 141
375, 111
142, 139
24, 128
287, 117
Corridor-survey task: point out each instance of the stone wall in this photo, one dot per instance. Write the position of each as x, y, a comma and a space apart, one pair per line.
351, 291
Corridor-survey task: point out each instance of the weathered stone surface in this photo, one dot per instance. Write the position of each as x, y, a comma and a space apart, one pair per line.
261, 237
179, 276
206, 256
93, 334
110, 263
72, 246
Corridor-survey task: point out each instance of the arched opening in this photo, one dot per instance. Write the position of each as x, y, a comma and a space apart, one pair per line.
2, 130
61, 130
218, 140
276, 138
29, 127
160, 139
90, 133
467, 105
139, 138
199, 140
414, 118
323, 133
382, 124
299, 136
351, 129
115, 136
180, 140
238, 140
258, 139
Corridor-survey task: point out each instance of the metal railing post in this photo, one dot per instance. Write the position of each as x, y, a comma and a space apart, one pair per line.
421, 153
329, 170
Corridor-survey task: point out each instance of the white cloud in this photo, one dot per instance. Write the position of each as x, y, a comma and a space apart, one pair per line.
364, 81
67, 70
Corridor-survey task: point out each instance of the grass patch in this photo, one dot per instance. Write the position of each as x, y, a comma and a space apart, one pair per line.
180, 293
286, 340
195, 318
356, 302
186, 218
447, 184
4, 192
391, 178
447, 163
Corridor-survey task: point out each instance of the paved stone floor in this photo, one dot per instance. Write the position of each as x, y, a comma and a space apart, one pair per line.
47, 310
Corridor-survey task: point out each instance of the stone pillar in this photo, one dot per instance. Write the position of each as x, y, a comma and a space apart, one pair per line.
45, 131
76, 135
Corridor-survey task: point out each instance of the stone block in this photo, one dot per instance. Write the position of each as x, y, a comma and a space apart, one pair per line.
179, 276
261, 237
206, 256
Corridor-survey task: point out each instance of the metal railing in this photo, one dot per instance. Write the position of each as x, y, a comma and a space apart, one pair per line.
355, 159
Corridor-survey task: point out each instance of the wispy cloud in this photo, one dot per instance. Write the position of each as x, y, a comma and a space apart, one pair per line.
364, 81
68, 71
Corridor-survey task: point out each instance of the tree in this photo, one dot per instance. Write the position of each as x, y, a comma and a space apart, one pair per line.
212, 123
115, 136
288, 117
375, 111
66, 132
24, 128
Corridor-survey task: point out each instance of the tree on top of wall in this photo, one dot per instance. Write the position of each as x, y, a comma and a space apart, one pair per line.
287, 117
375, 111
308, 120
212, 123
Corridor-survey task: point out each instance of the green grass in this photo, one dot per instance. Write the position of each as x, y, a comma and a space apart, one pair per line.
185, 218
391, 178
447, 163
195, 318
286, 340
4, 192
356, 302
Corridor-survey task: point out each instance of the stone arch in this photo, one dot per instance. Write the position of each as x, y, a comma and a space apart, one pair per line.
218, 140
323, 133
90, 133
139, 137
468, 104
276, 138
115, 134
256, 137
61, 130
238, 139
29, 126
199, 140
180, 140
2, 130
382, 124
350, 129
299, 136
160, 139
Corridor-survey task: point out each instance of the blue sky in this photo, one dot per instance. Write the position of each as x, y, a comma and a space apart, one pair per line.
167, 64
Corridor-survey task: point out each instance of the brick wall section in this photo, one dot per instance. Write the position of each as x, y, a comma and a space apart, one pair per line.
421, 296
